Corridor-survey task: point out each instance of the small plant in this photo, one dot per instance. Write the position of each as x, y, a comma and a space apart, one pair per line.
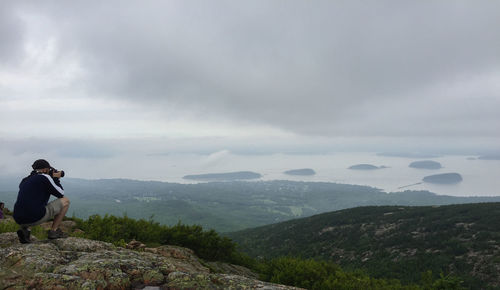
8, 226
11, 226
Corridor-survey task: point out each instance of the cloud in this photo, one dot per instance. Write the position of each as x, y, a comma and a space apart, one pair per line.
357, 68
11, 34
65, 148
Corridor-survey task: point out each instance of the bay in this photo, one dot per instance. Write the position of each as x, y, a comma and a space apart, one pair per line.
480, 177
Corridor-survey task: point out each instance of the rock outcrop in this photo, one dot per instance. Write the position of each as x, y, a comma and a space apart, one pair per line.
77, 263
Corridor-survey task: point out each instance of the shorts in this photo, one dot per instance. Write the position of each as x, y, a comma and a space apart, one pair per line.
52, 209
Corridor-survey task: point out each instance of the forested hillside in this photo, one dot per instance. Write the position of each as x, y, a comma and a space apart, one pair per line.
392, 241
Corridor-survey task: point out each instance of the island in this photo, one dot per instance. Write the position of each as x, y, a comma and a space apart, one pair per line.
425, 164
229, 176
489, 157
444, 178
365, 167
302, 172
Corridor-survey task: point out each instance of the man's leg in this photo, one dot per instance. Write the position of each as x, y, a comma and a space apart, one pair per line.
59, 217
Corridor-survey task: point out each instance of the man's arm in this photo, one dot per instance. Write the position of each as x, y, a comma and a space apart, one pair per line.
54, 186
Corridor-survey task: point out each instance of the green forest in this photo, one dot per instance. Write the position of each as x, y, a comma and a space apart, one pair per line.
392, 241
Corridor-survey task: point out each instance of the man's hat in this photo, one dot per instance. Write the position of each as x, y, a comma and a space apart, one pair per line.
40, 164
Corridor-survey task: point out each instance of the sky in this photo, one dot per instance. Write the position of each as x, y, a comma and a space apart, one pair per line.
101, 80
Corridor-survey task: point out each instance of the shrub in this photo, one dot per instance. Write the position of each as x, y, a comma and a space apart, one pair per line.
206, 244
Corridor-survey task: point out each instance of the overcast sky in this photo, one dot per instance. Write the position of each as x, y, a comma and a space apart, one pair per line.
88, 78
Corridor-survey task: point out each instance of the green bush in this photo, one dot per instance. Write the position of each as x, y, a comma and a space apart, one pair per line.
313, 274
119, 230
11, 226
8, 226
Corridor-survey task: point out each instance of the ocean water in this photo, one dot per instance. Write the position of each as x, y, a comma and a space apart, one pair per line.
480, 177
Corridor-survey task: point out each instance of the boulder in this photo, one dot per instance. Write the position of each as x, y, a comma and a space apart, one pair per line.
219, 267
77, 263
135, 245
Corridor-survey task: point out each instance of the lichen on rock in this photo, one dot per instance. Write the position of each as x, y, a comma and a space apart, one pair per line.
77, 263
9, 239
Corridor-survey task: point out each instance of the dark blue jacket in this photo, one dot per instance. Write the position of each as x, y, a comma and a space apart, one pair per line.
34, 193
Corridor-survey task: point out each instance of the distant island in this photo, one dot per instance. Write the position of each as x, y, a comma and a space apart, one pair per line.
302, 172
489, 157
230, 176
425, 164
365, 167
445, 178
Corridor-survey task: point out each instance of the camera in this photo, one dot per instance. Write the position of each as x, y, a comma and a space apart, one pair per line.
54, 173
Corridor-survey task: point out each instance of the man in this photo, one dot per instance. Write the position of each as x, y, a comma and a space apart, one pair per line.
31, 207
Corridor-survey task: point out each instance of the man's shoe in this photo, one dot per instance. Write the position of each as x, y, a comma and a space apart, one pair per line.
57, 234
24, 236
64, 235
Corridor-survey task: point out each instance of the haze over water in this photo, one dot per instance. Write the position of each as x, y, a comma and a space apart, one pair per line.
480, 177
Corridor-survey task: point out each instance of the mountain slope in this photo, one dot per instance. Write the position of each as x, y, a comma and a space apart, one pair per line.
392, 241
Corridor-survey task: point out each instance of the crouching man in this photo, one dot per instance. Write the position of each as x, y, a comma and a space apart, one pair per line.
32, 207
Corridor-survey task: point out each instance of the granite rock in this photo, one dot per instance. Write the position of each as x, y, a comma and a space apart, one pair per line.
77, 263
